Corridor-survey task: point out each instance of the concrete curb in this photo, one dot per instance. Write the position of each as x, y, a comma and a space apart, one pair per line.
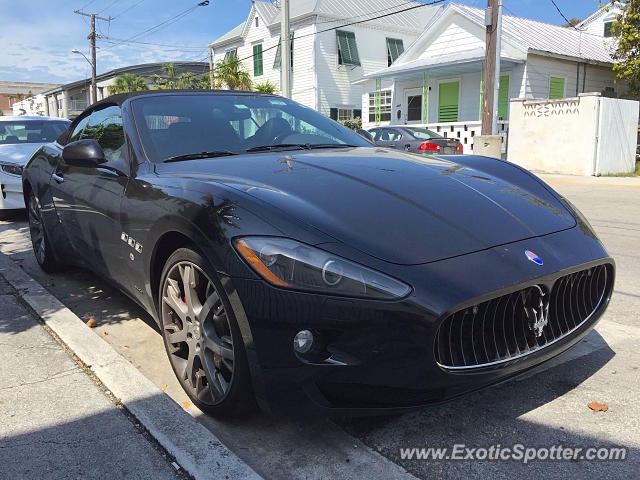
196, 449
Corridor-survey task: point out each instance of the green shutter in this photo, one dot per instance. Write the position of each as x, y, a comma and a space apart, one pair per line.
257, 60
347, 48
448, 94
277, 61
333, 113
556, 87
395, 47
503, 97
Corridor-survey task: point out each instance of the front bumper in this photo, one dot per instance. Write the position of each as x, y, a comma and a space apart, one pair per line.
378, 357
11, 191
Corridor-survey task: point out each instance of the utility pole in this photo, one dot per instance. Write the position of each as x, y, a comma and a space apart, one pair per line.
491, 83
285, 50
92, 40
211, 79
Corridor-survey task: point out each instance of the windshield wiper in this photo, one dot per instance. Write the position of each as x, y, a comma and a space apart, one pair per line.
195, 156
299, 146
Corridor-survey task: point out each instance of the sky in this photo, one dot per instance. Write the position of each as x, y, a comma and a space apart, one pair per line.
37, 36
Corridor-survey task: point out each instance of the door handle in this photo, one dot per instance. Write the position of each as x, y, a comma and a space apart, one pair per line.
407, 146
57, 177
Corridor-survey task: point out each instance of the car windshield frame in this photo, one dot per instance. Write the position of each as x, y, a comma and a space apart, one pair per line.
413, 130
36, 124
231, 122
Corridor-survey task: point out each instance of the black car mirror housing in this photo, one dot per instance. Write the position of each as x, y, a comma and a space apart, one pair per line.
83, 153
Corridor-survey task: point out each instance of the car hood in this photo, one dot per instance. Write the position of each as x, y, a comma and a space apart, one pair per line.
18, 153
397, 207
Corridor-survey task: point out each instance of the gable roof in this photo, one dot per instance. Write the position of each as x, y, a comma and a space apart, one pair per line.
605, 9
343, 11
544, 38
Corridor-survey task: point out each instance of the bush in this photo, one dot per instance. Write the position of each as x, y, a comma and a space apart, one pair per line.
353, 124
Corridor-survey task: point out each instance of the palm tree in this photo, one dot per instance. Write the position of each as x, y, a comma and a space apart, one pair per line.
168, 81
128, 82
266, 87
231, 73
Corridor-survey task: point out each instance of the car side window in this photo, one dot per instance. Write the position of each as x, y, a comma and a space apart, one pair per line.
105, 126
78, 129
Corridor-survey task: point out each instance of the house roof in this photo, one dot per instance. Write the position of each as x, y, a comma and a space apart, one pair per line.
539, 37
342, 11
599, 13
143, 69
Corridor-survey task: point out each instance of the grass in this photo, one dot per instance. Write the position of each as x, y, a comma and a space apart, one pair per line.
635, 173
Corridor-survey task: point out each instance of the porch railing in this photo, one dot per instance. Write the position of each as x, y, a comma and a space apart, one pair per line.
78, 105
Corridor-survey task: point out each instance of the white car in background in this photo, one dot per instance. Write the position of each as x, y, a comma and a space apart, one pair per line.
19, 137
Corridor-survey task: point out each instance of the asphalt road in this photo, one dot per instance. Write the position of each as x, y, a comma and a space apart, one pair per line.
548, 407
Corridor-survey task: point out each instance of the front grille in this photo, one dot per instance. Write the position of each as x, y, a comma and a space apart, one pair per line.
513, 325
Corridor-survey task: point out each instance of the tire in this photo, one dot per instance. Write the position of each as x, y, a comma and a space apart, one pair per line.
202, 338
39, 240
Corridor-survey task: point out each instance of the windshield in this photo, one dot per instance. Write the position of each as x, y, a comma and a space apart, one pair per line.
423, 133
30, 131
174, 126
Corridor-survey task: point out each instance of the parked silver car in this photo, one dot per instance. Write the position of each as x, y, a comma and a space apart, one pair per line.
19, 137
415, 139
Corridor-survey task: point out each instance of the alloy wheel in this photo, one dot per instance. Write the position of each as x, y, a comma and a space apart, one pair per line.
36, 229
197, 333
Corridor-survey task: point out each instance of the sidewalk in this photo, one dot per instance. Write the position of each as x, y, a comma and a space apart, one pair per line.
56, 422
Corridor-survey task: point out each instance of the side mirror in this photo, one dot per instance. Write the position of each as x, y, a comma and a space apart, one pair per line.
83, 153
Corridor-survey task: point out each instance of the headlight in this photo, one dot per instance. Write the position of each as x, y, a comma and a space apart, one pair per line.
290, 264
11, 169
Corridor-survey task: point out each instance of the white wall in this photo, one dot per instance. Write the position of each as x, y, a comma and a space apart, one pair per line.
585, 135
596, 27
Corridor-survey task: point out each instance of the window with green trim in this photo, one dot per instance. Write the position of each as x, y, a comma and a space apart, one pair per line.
448, 96
257, 60
278, 61
395, 47
503, 97
556, 87
347, 48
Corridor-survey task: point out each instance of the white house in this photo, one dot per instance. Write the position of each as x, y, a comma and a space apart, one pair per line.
328, 53
437, 81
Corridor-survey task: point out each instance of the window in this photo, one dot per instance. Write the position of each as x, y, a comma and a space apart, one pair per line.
395, 48
448, 94
278, 61
385, 106
105, 126
344, 114
30, 131
607, 29
77, 130
198, 123
59, 104
556, 87
414, 108
257, 60
233, 52
256, 21
503, 97
347, 48
387, 135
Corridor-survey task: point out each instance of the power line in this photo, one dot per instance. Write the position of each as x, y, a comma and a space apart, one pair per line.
164, 24
113, 40
563, 16
127, 9
109, 6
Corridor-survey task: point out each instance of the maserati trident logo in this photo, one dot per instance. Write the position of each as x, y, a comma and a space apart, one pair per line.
532, 257
536, 309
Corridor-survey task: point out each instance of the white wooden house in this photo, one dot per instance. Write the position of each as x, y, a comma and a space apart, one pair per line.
437, 81
328, 53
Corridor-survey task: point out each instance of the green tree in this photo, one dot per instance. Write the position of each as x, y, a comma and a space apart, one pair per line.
626, 29
572, 23
265, 87
170, 80
230, 73
128, 82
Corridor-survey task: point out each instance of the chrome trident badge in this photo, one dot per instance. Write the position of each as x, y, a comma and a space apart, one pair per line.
536, 309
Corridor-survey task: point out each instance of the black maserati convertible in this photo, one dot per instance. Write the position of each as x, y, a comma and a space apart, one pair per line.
290, 262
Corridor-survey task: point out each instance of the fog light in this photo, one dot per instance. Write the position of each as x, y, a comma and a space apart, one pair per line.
303, 341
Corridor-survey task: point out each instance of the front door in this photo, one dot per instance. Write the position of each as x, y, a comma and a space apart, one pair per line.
448, 96
89, 198
413, 105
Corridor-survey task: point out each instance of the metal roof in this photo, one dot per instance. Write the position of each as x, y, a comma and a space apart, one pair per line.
538, 37
342, 11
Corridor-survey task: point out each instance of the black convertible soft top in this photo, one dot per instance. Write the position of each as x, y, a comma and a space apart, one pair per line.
120, 98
